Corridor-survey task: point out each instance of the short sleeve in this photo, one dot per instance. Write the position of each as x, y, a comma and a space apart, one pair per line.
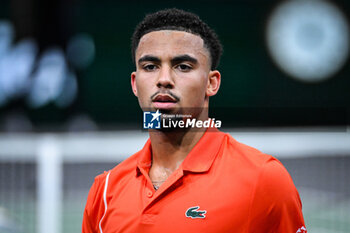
276, 206
93, 207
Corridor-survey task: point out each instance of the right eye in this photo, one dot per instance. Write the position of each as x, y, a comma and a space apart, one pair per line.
149, 67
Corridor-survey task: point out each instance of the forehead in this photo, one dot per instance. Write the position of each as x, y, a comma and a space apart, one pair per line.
171, 43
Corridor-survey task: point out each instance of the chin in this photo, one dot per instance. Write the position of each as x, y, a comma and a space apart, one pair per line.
170, 110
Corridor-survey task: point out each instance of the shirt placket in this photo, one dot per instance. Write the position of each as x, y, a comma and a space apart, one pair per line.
151, 196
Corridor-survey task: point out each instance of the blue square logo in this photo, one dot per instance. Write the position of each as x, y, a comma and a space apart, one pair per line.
151, 120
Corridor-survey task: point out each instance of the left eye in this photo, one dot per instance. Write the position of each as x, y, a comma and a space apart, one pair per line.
184, 67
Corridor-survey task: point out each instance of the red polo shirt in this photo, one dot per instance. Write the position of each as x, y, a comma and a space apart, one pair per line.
221, 186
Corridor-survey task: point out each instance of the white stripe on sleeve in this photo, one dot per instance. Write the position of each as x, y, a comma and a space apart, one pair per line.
104, 200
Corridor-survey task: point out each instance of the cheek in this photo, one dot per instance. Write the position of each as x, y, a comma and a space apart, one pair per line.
196, 90
142, 87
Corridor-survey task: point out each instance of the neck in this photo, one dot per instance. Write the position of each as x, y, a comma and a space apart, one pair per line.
170, 148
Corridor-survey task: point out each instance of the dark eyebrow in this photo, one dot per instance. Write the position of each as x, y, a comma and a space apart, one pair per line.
182, 58
149, 58
175, 60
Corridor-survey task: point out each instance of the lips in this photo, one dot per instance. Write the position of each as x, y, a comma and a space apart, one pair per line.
162, 101
164, 98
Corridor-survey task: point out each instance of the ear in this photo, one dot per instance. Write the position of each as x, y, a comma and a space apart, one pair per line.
133, 83
214, 81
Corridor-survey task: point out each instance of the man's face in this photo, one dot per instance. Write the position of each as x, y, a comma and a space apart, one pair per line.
173, 72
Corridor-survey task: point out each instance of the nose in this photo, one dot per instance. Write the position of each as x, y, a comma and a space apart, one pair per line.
165, 78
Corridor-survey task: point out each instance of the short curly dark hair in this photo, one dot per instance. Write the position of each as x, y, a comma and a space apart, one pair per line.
175, 19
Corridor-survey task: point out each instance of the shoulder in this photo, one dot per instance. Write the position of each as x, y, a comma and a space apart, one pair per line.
276, 204
95, 206
245, 154
260, 169
270, 178
115, 175
271, 172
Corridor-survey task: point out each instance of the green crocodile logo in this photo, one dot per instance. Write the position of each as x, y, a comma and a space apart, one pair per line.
193, 212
